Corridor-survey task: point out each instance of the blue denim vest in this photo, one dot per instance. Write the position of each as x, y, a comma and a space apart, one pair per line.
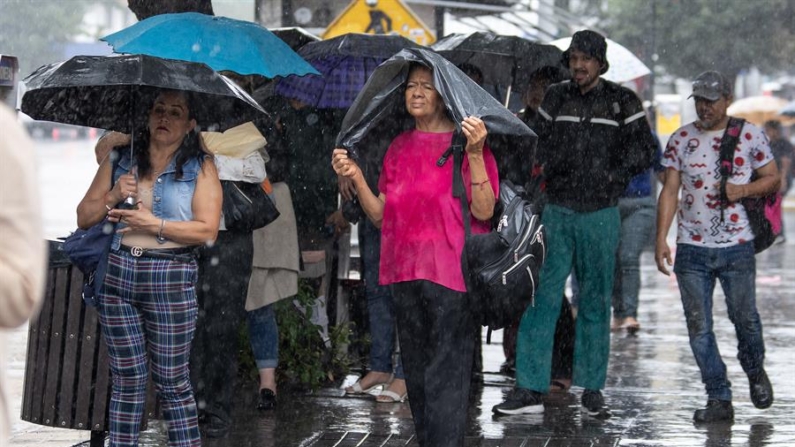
171, 197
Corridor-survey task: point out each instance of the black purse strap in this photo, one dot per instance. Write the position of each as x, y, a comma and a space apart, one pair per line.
728, 143
457, 148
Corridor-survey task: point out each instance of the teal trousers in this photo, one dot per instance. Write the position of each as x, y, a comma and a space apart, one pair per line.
587, 241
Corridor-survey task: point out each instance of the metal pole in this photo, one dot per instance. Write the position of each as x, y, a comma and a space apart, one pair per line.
287, 13
652, 61
438, 16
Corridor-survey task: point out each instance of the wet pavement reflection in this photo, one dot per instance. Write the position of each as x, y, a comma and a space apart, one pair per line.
653, 388
653, 382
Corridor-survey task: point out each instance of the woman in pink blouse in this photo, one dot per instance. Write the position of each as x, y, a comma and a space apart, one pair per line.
422, 238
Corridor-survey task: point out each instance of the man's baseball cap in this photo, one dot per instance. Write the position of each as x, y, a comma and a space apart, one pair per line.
590, 43
711, 85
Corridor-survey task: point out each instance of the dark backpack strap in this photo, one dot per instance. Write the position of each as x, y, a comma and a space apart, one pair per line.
728, 144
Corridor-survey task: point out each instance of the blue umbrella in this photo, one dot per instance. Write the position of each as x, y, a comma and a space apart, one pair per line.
222, 43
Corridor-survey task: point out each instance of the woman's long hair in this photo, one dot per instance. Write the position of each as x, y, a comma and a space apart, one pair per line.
189, 148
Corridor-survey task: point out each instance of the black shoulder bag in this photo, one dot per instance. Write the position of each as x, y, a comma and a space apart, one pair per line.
246, 206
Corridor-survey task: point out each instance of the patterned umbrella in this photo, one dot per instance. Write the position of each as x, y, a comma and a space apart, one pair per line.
346, 63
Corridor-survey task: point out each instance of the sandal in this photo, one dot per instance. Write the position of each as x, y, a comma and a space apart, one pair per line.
356, 388
391, 397
393, 393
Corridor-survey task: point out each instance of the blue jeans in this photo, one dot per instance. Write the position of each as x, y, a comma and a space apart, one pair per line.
263, 332
637, 224
696, 269
380, 304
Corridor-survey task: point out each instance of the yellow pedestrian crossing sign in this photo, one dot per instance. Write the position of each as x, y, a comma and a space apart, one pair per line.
380, 17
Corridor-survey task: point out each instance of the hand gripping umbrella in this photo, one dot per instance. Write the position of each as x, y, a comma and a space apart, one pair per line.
380, 108
220, 42
115, 92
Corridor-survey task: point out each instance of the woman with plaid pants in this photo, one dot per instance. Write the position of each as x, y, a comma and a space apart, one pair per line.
147, 301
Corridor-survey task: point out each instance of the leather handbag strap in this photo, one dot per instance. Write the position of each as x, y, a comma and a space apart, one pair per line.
457, 148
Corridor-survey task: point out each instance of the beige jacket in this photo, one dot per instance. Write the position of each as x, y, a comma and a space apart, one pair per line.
23, 254
276, 265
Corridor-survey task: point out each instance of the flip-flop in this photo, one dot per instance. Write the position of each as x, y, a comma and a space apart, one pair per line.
356, 388
393, 397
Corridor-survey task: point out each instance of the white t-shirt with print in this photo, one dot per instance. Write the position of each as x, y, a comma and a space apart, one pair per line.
696, 155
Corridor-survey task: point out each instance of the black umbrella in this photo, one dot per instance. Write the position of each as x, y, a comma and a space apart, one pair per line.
295, 37
380, 110
115, 92
506, 61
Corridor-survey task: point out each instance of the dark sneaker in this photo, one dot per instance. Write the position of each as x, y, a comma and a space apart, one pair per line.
716, 411
521, 401
761, 390
267, 399
594, 404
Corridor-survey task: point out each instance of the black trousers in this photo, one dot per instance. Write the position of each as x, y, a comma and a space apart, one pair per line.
437, 335
224, 273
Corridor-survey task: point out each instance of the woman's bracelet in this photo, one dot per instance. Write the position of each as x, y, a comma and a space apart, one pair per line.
160, 237
480, 184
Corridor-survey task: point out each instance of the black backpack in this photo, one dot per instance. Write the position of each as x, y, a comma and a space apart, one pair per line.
501, 268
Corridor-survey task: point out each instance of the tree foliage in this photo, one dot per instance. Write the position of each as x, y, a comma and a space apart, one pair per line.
147, 8
34, 30
697, 35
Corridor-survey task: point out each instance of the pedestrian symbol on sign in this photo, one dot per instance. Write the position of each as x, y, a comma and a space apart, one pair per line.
380, 23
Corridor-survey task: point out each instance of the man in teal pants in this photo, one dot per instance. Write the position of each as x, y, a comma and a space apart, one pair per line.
593, 138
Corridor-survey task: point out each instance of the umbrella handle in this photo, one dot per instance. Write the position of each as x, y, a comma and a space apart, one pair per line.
129, 202
507, 96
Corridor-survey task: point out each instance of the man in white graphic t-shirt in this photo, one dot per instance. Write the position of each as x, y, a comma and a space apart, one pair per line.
715, 241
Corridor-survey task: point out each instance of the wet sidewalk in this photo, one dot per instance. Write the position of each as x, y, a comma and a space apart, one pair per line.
653, 388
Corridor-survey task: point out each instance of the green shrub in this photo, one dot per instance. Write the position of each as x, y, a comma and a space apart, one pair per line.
305, 362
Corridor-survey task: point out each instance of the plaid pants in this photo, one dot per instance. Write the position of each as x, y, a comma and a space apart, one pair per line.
147, 308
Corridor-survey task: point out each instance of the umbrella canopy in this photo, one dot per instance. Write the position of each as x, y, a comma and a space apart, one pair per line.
220, 42
624, 65
788, 110
346, 62
380, 108
504, 60
115, 92
295, 37
757, 109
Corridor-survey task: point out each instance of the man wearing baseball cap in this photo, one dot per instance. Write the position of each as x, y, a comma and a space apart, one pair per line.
593, 138
715, 240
